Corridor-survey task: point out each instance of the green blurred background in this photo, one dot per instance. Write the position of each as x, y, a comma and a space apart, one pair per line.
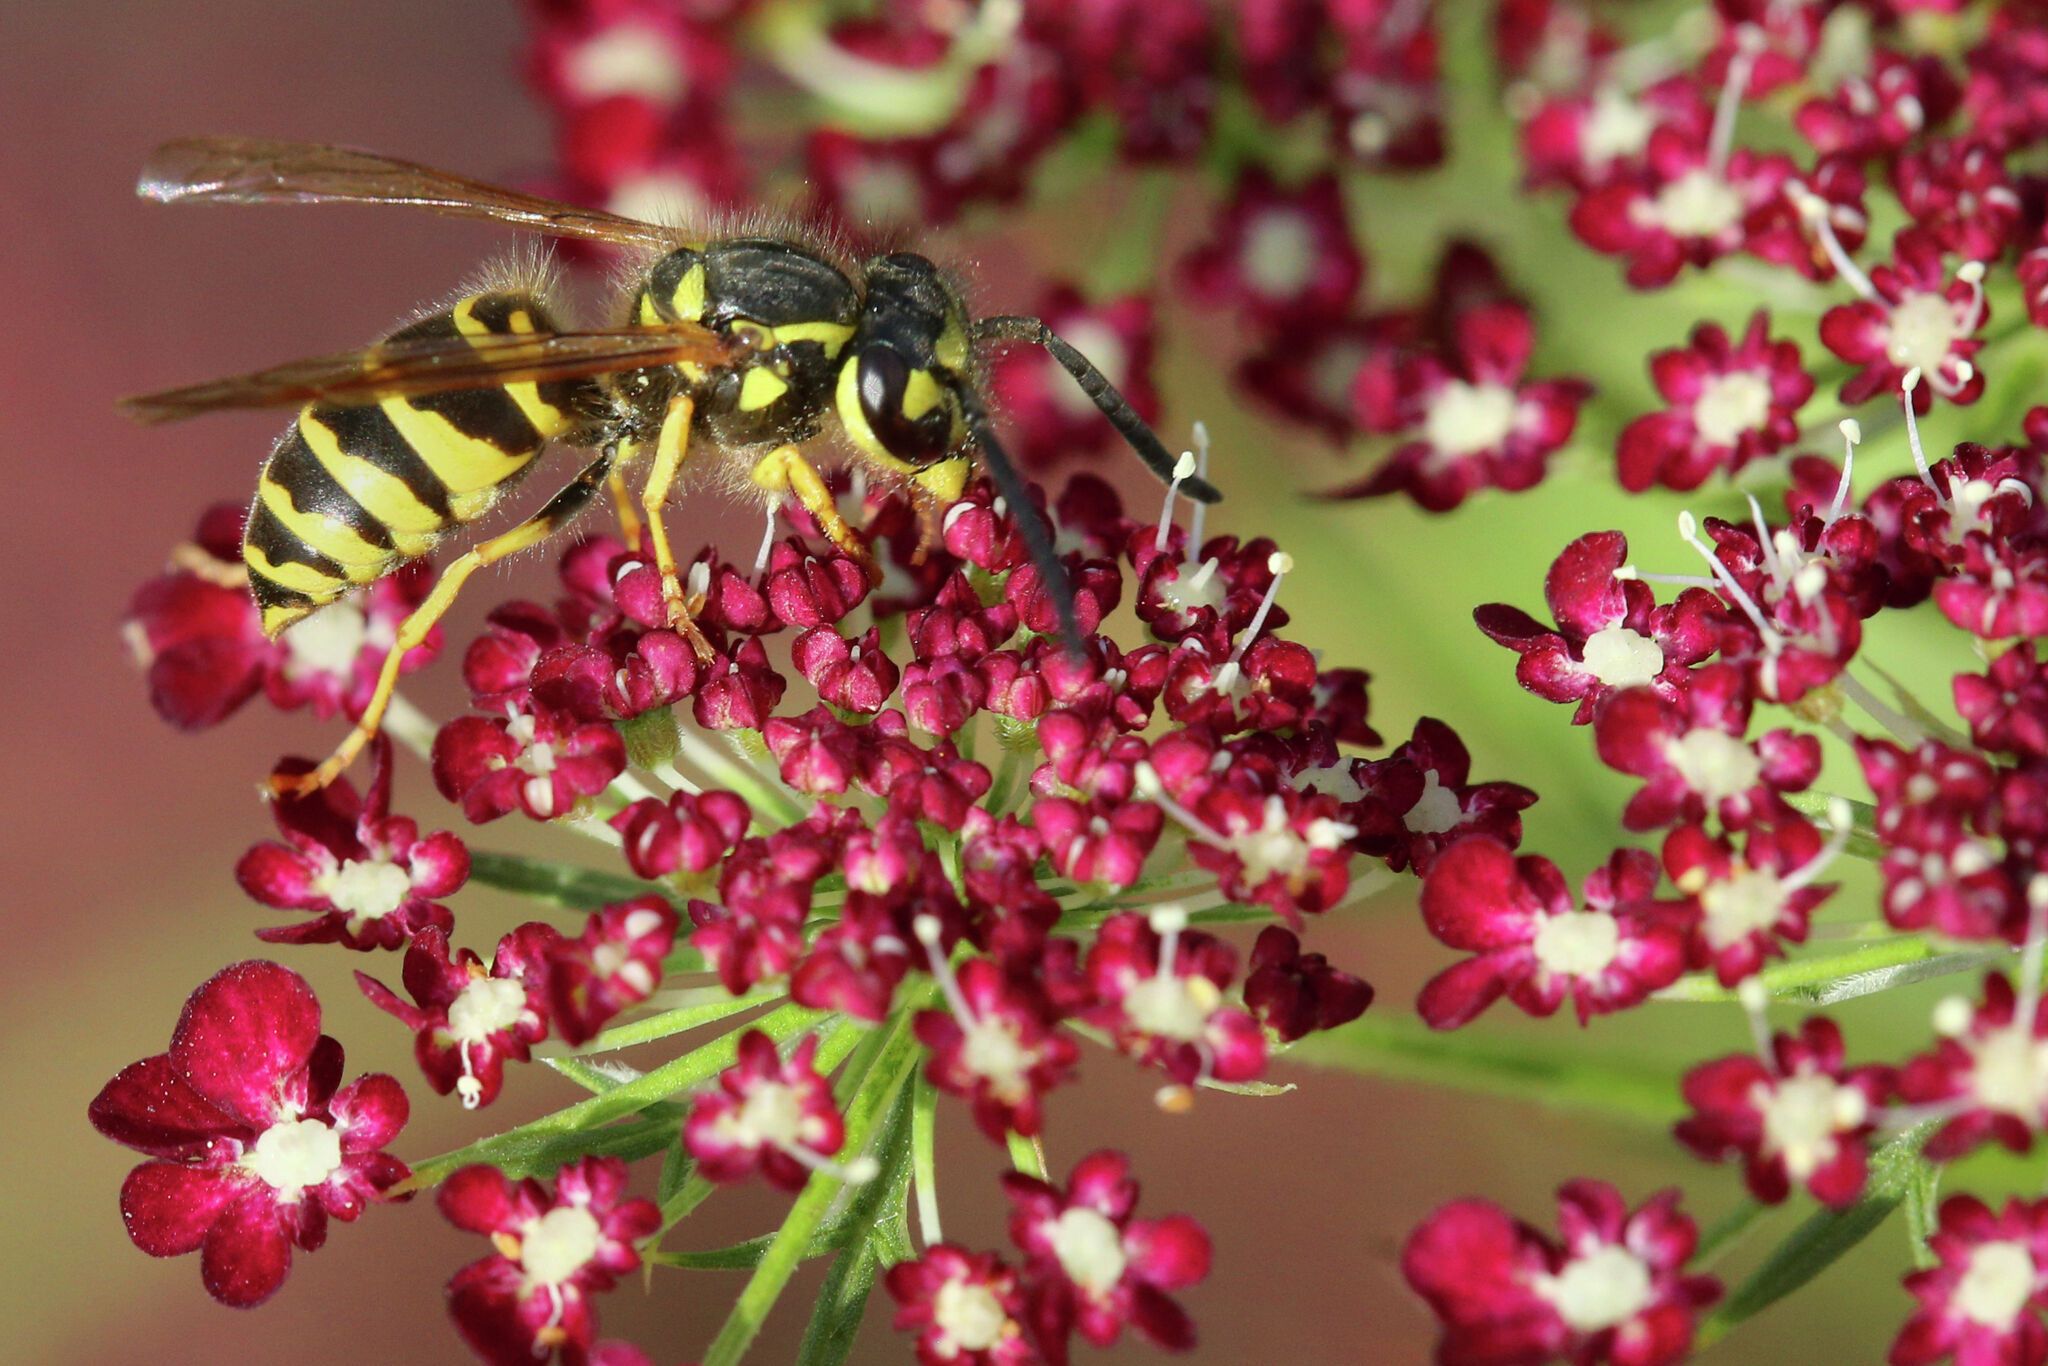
121, 836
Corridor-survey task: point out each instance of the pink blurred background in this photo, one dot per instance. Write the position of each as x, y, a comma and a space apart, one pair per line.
121, 834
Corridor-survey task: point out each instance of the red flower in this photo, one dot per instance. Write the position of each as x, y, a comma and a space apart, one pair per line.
537, 761
1295, 993
965, 1308
997, 1046
255, 1146
1804, 1117
1982, 1302
1913, 317
1730, 404
1283, 256
767, 1115
531, 1297
1613, 1290
1160, 988
1535, 944
1091, 1266
1989, 1070
368, 875
468, 1021
615, 963
1467, 422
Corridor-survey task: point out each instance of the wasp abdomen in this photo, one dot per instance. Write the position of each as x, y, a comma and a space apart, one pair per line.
352, 490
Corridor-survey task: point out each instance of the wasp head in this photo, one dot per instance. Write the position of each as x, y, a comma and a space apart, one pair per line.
900, 385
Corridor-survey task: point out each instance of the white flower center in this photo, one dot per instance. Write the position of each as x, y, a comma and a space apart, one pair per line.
559, 1244
1279, 253
992, 1051
485, 1006
1577, 943
365, 889
1336, 780
1747, 901
1616, 126
1436, 811
328, 642
1997, 1285
1802, 1115
294, 1155
1714, 763
2009, 1072
772, 1116
1603, 1289
1922, 329
1730, 405
1623, 658
1099, 342
1201, 588
1466, 418
1171, 1006
1697, 204
1090, 1250
969, 1315
626, 59
1275, 847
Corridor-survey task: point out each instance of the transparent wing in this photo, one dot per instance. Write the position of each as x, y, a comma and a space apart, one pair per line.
257, 171
430, 365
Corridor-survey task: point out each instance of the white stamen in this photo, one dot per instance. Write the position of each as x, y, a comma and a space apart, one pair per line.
1688, 531
1815, 211
1182, 468
1852, 433
1201, 438
768, 542
1907, 385
1747, 41
1278, 564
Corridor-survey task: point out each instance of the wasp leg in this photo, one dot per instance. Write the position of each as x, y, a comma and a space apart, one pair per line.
670, 449
559, 512
622, 506
785, 471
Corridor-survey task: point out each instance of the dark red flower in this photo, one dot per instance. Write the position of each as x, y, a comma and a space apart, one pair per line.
467, 1021
256, 1142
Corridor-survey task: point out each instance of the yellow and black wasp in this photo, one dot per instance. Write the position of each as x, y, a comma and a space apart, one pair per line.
751, 348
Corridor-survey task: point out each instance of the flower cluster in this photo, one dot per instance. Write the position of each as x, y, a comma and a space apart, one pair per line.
872, 820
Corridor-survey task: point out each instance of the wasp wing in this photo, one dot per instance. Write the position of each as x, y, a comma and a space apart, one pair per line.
431, 365
257, 171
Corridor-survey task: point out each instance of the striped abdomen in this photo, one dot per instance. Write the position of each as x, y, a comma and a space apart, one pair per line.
352, 492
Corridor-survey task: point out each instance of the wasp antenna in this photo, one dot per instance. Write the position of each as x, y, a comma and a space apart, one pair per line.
1101, 392
1030, 520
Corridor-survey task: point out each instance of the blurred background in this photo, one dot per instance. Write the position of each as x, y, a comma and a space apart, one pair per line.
120, 835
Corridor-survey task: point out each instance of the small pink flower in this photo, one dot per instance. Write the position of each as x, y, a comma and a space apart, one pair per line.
1466, 420
1729, 405
531, 1298
1160, 992
1749, 904
1613, 1290
1803, 1116
1989, 1070
468, 1021
965, 1307
767, 1115
1283, 256
255, 1146
998, 1046
537, 761
1091, 1266
1295, 993
367, 875
1982, 1302
615, 963
1921, 319
1534, 943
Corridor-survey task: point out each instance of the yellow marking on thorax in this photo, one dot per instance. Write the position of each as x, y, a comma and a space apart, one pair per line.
382, 495
687, 302
359, 560
649, 314
946, 479
829, 335
760, 388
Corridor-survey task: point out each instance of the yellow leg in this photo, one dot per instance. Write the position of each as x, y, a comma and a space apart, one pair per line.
670, 449
785, 471
559, 511
622, 506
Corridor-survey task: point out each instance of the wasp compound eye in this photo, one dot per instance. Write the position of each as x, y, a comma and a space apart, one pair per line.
905, 408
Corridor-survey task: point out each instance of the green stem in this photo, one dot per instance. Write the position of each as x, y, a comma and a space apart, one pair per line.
692, 1069
562, 884
1839, 977
893, 1060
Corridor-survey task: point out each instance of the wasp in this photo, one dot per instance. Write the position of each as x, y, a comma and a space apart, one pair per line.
762, 351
